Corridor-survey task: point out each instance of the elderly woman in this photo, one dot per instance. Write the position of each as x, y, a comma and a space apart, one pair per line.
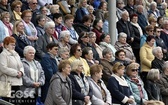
49, 65
106, 62
30, 29
105, 42
97, 85
87, 54
122, 44
8, 27
135, 83
45, 39
158, 62
63, 53
118, 87
64, 39
151, 85
81, 91
54, 9
120, 57
16, 10
41, 20
138, 33
92, 42
163, 83
11, 66
146, 56
21, 37
60, 90
153, 10
44, 11
34, 75
68, 22
76, 53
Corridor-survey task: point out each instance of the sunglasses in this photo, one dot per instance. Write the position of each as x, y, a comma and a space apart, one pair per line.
34, 3
133, 70
158, 31
150, 30
79, 50
85, 36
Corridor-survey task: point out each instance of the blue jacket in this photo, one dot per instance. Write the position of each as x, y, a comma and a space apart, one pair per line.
142, 21
80, 13
49, 66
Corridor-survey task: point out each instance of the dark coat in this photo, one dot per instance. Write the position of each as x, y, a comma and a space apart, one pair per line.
163, 84
98, 34
131, 10
40, 31
60, 91
76, 89
107, 70
80, 13
79, 27
142, 21
158, 64
119, 92
164, 36
122, 27
41, 44
136, 43
153, 90
50, 67
20, 45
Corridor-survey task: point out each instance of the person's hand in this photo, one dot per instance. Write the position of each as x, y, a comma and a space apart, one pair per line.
19, 74
132, 39
96, 61
36, 84
87, 99
130, 100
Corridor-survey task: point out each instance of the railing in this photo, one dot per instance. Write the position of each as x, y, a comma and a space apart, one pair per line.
3, 102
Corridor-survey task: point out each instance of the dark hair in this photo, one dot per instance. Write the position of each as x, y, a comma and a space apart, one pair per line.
63, 64
149, 27
119, 51
101, 4
51, 45
155, 28
85, 51
57, 15
86, 18
95, 22
158, 19
133, 15
103, 36
81, 35
149, 38
74, 48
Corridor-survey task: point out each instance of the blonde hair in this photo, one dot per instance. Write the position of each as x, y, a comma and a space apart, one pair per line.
3, 14
75, 64
154, 102
117, 66
15, 27
132, 66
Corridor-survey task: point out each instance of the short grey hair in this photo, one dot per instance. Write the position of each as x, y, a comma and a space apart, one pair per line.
155, 50
153, 74
165, 65
49, 24
124, 13
106, 51
27, 48
122, 34
64, 33
62, 50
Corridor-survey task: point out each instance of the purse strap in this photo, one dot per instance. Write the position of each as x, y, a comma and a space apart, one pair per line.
6, 78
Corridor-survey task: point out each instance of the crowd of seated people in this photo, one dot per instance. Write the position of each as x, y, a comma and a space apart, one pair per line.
60, 52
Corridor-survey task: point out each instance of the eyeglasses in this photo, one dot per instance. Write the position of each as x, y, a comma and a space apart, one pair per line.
79, 50
158, 31
133, 70
18, 6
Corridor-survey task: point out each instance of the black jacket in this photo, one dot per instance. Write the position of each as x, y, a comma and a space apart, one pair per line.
158, 64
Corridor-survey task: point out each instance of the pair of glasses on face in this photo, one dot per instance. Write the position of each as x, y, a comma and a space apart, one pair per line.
133, 70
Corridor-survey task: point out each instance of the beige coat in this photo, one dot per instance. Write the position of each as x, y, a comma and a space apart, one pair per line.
10, 64
146, 57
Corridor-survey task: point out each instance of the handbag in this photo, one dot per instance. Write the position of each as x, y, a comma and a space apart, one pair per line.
5, 87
